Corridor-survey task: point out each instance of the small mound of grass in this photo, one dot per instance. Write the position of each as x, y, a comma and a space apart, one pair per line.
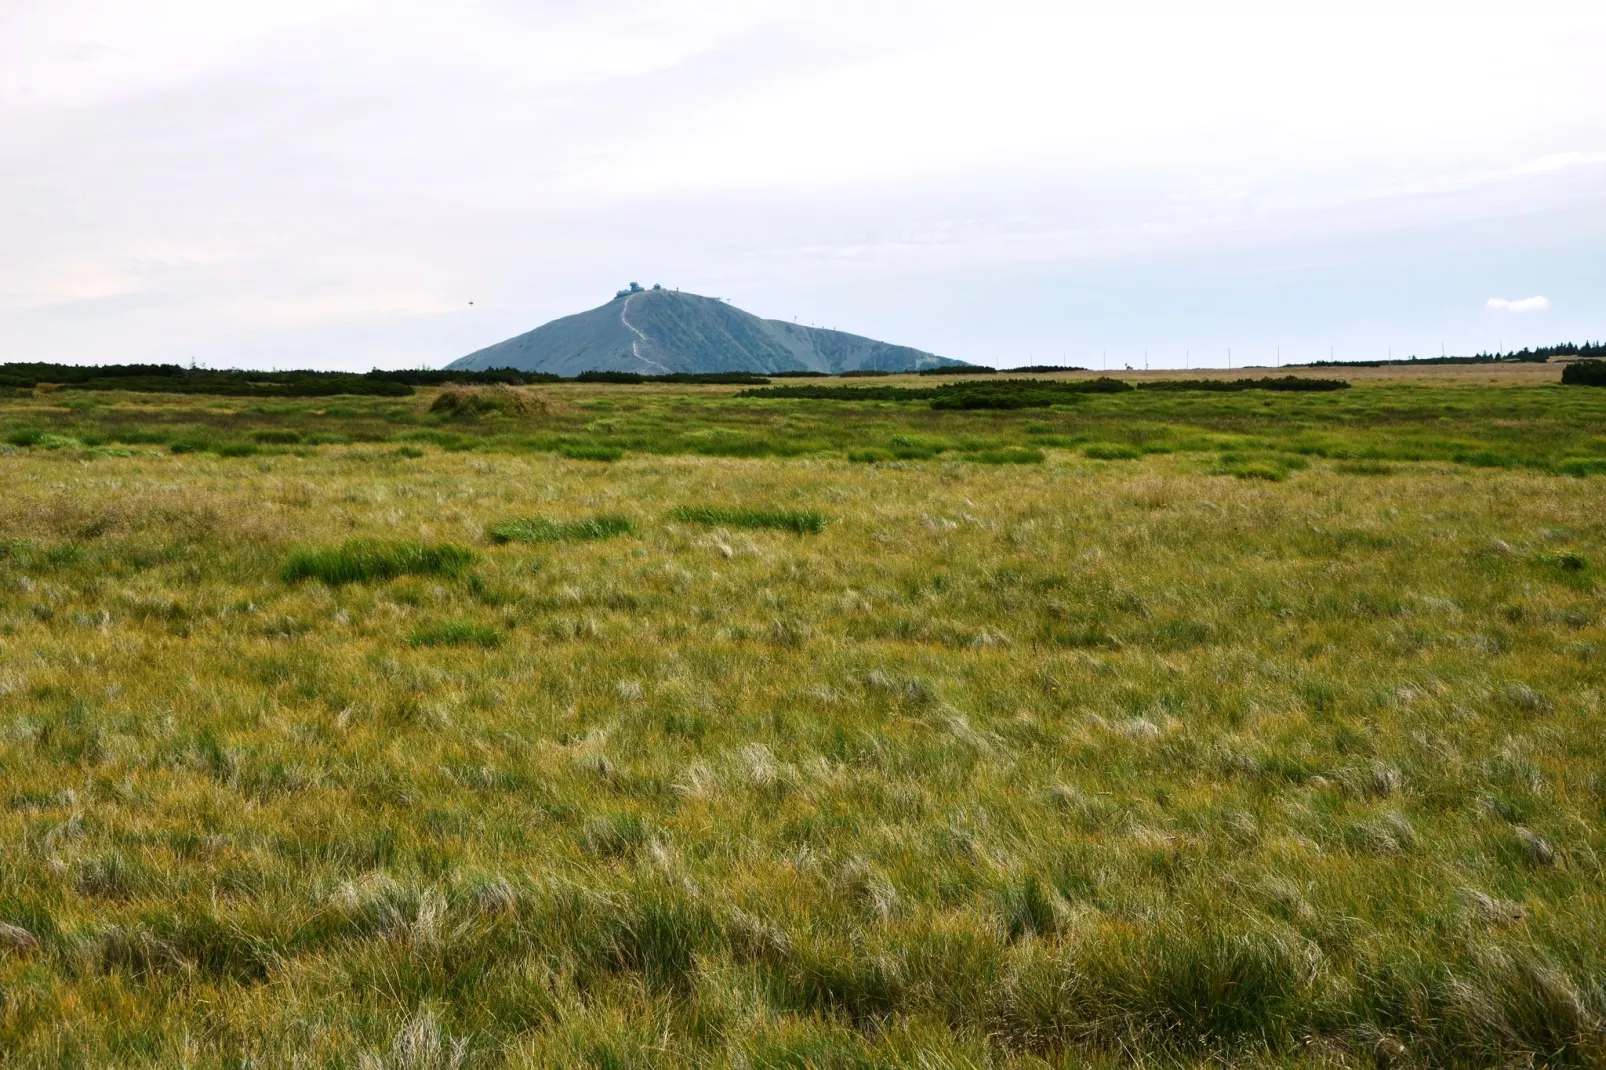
801, 521
363, 560
1565, 560
237, 449
1110, 451
591, 452
1271, 467
189, 444
869, 456
24, 436
1364, 468
1582, 466
455, 633
277, 437
1008, 455
546, 529
410, 452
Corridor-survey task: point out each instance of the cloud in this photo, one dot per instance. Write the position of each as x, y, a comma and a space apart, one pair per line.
1523, 304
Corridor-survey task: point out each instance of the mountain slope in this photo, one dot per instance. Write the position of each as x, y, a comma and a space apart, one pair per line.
658, 331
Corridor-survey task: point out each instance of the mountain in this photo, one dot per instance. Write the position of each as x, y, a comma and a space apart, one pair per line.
657, 331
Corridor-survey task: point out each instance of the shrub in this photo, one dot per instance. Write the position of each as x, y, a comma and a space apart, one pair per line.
1288, 382
546, 529
277, 437
24, 436
803, 522
1584, 373
362, 560
1022, 393
189, 444
237, 449
455, 633
497, 399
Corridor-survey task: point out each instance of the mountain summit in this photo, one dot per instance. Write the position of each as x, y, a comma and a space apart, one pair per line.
658, 331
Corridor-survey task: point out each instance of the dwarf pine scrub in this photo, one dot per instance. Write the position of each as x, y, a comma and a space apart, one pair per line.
1183, 745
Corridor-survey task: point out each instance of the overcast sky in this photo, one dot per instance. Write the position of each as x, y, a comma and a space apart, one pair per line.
330, 184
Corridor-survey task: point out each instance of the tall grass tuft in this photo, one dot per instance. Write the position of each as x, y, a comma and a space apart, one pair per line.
546, 529
365, 560
801, 521
455, 633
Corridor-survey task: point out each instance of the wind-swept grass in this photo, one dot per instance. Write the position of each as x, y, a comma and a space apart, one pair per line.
366, 560
800, 521
1055, 765
549, 529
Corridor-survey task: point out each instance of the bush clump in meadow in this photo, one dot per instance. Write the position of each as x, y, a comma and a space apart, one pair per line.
1584, 373
455, 633
547, 529
801, 521
365, 560
1231, 386
1023, 393
496, 399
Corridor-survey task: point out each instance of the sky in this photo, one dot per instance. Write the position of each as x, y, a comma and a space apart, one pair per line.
352, 184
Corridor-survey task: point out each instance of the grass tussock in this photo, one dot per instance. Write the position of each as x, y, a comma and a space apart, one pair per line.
456, 633
548, 529
367, 560
798, 521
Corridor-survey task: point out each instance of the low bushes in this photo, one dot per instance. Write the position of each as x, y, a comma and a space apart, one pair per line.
497, 399
363, 560
801, 521
1229, 386
1584, 373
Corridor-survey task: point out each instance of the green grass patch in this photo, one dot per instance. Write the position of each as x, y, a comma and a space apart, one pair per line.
591, 452
548, 529
1582, 466
366, 560
1008, 455
456, 633
1110, 451
1271, 467
1364, 468
801, 521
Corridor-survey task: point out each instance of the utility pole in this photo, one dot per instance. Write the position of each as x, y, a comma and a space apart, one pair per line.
1229, 358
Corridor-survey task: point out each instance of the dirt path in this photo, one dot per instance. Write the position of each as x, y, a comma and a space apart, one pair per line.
635, 347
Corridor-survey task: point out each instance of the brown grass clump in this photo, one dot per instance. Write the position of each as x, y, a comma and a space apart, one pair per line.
519, 403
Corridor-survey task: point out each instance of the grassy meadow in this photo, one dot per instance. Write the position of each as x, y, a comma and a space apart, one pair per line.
657, 727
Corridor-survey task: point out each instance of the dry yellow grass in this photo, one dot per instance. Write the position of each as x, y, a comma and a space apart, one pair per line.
1073, 762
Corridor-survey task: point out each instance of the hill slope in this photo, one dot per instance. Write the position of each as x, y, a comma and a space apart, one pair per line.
658, 331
